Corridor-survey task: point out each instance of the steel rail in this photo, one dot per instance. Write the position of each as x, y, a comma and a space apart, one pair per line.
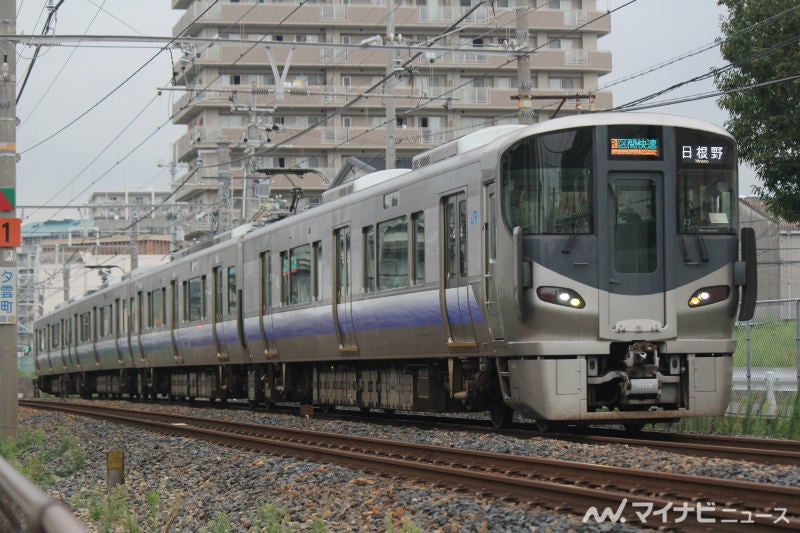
558, 484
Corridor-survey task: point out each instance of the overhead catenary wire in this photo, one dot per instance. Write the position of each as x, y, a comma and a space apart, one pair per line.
117, 87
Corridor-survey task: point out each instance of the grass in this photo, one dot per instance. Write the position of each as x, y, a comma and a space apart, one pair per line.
39, 463
752, 418
772, 344
43, 458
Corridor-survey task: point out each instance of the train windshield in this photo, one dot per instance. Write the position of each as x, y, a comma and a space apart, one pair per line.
547, 183
707, 183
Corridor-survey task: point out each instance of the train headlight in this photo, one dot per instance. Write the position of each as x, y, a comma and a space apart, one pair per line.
709, 295
561, 296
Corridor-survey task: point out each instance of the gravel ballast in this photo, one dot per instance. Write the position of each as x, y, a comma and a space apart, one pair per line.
202, 486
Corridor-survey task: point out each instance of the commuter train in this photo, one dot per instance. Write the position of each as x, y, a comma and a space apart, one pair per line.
583, 270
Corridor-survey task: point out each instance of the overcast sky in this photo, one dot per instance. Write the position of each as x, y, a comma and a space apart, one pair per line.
99, 152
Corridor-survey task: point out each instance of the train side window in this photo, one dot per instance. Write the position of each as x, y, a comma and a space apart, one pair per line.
462, 241
116, 326
156, 317
285, 278
393, 253
86, 328
265, 283
134, 314
300, 274
104, 318
125, 316
150, 310
54, 335
418, 246
231, 290
316, 254
140, 313
195, 299
369, 258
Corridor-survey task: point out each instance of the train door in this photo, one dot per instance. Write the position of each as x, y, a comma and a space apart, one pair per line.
73, 346
455, 290
116, 313
343, 303
173, 319
265, 297
490, 260
217, 329
138, 311
636, 261
131, 326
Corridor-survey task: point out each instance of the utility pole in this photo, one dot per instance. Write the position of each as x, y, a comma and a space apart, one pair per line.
524, 86
134, 247
9, 224
391, 146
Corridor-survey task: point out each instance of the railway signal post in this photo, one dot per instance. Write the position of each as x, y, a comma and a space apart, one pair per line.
9, 225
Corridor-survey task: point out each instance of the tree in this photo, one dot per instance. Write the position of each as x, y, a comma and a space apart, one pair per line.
761, 42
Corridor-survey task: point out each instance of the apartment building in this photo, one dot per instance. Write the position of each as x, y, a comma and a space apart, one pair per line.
269, 87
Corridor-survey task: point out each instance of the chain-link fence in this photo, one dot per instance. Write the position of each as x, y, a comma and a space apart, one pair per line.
766, 365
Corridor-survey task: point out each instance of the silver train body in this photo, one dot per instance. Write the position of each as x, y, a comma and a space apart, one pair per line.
582, 270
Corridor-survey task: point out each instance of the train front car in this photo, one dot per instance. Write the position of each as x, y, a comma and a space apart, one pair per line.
620, 232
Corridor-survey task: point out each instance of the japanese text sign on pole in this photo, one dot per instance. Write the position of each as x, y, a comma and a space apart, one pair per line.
8, 295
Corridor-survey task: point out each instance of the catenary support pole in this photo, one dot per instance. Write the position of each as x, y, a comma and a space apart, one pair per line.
8, 255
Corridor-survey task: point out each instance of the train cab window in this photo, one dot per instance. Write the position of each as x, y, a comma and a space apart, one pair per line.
418, 245
393, 253
369, 258
707, 183
547, 183
194, 301
231, 290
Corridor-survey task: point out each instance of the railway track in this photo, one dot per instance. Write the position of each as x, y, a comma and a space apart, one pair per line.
756, 450
652, 499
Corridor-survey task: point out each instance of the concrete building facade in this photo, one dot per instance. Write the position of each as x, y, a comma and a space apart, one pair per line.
288, 85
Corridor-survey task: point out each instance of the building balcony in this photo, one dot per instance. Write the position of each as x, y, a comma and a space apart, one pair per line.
366, 16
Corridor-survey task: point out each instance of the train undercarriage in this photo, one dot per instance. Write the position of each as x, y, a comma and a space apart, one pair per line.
633, 385
454, 385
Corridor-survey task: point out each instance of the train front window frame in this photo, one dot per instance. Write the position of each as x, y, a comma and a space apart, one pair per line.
707, 183
548, 181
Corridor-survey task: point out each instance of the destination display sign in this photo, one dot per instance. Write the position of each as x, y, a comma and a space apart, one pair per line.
701, 149
636, 142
